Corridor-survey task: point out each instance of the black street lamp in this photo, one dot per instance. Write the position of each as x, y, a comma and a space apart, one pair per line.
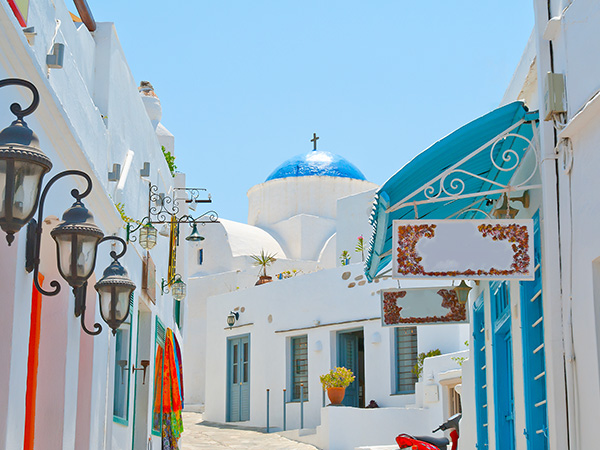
22, 167
114, 290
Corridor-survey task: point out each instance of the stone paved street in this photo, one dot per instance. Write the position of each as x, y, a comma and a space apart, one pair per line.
199, 435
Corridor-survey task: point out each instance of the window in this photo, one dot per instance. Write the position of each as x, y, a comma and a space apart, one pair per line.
406, 359
200, 256
177, 312
299, 369
500, 293
122, 373
158, 372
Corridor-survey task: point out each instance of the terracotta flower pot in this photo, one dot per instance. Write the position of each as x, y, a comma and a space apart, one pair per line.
263, 280
336, 395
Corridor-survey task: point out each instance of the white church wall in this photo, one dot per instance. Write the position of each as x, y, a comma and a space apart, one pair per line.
328, 256
318, 305
353, 221
303, 236
278, 200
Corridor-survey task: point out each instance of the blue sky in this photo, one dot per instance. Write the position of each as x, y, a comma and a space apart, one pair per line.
244, 84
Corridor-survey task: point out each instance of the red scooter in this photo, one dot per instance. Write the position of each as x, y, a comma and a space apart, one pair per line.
433, 443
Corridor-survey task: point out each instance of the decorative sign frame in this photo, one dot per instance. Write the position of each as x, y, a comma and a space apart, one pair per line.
488, 249
422, 306
149, 278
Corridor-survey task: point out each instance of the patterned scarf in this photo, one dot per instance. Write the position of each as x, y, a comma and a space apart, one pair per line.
172, 424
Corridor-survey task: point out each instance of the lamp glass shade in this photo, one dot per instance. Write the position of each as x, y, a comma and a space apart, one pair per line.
148, 236
20, 183
462, 291
114, 290
114, 304
76, 238
230, 320
76, 257
22, 167
178, 290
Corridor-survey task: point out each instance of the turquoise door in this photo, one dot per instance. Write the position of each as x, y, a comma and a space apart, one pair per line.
351, 356
503, 366
238, 379
534, 367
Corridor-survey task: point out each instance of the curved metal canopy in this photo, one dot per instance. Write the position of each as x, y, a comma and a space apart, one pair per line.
457, 176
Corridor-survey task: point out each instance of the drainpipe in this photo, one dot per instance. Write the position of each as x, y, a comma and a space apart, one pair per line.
556, 322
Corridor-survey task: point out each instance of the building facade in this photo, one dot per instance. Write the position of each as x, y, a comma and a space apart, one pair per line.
59, 386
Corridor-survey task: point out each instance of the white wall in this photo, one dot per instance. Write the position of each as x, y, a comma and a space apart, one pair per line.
318, 304
94, 81
272, 204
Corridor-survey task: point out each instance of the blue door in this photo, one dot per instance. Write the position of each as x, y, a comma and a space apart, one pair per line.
351, 356
238, 378
503, 365
534, 367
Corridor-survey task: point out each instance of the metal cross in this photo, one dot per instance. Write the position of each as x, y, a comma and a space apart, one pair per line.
314, 140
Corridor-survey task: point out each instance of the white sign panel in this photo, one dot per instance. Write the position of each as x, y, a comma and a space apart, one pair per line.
475, 249
421, 306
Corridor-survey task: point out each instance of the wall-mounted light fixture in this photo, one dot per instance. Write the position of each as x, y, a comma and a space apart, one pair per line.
232, 317
144, 363
22, 168
162, 209
462, 291
177, 287
504, 211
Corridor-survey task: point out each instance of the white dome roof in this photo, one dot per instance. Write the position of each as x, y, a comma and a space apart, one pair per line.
247, 240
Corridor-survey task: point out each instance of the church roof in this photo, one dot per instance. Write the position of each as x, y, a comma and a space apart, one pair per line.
317, 163
247, 240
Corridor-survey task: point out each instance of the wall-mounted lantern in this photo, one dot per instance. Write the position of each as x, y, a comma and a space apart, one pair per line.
462, 291
177, 287
232, 318
22, 167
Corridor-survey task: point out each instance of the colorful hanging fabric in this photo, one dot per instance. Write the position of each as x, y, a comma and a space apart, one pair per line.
172, 424
179, 369
156, 404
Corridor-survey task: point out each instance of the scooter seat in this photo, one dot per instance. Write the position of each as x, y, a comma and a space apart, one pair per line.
440, 443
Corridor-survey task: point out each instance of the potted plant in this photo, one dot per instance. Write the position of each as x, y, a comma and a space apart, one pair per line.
335, 383
345, 258
263, 260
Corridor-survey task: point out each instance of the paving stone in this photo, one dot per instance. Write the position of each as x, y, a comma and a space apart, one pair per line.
200, 435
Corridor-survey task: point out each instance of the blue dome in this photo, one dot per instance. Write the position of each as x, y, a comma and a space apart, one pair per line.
317, 163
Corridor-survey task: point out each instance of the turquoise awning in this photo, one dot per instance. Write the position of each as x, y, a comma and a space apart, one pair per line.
460, 172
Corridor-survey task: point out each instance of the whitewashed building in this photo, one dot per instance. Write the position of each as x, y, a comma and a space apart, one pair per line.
59, 386
532, 378
316, 314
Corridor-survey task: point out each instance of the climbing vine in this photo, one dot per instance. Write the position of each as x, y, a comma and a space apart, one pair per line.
170, 158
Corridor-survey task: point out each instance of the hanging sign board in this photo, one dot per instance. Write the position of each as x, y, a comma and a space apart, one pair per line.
475, 249
421, 306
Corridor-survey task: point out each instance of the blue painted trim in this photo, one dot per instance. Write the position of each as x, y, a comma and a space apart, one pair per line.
480, 370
